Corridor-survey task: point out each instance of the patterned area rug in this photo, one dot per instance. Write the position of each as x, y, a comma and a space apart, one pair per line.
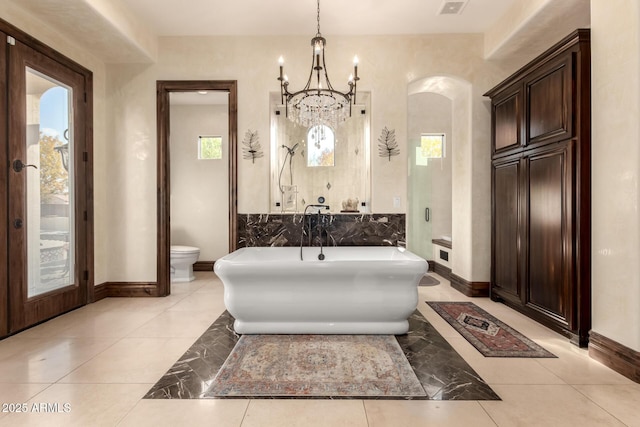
489, 335
316, 365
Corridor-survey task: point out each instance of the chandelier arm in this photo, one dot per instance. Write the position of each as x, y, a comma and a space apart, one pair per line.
281, 93
353, 88
313, 58
322, 91
326, 73
318, 69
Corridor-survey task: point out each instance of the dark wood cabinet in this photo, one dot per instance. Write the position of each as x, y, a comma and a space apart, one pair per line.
541, 184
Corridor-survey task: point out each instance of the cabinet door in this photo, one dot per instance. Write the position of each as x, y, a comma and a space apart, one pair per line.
550, 189
506, 239
507, 117
549, 103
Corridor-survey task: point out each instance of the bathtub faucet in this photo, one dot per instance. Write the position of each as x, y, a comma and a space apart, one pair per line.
320, 221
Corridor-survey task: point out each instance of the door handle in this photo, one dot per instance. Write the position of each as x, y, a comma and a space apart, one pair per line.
18, 166
17, 223
427, 214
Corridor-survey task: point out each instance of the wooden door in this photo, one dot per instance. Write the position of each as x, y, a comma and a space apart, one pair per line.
48, 179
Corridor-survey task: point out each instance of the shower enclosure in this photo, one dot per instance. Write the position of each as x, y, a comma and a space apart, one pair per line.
308, 163
429, 182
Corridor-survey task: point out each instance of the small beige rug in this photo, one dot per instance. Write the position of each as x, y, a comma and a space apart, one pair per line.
316, 365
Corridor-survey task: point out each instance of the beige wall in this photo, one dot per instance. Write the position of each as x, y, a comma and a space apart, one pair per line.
199, 188
615, 51
387, 65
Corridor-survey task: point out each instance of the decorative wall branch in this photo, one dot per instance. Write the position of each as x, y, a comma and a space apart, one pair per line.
252, 149
387, 145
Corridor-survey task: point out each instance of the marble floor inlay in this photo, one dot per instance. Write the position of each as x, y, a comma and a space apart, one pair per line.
442, 372
316, 365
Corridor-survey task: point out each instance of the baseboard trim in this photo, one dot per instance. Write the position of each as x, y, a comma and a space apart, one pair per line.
470, 289
441, 270
432, 266
126, 289
101, 291
614, 355
203, 266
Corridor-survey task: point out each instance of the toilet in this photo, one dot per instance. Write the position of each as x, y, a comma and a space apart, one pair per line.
182, 260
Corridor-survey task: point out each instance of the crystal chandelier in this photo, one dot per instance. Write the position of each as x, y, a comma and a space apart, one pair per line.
318, 103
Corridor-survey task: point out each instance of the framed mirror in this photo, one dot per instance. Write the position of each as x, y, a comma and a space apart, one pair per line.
310, 163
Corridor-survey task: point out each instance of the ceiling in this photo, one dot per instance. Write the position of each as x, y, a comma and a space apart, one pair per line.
127, 31
298, 17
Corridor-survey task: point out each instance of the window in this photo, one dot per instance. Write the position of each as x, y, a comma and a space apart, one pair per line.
321, 146
209, 147
432, 146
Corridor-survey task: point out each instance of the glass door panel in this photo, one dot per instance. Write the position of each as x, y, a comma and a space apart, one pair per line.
429, 213
420, 169
50, 207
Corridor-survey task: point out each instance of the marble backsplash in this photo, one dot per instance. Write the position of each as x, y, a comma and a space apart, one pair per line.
339, 230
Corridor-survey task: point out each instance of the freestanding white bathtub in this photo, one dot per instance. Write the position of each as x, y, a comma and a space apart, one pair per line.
354, 290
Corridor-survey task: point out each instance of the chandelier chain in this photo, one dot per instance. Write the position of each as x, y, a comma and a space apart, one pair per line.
318, 17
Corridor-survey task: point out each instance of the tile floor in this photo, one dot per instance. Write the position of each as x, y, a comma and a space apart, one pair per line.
442, 372
101, 360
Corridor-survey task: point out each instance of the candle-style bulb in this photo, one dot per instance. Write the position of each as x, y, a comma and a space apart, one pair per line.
355, 60
281, 60
350, 78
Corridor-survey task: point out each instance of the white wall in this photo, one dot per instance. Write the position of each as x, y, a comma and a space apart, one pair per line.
615, 52
199, 188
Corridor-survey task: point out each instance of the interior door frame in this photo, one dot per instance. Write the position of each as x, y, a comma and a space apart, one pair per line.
4, 189
84, 154
164, 89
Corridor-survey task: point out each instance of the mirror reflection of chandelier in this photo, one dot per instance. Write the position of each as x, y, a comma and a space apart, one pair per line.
318, 103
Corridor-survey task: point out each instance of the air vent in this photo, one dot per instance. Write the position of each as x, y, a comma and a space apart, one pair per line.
452, 7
